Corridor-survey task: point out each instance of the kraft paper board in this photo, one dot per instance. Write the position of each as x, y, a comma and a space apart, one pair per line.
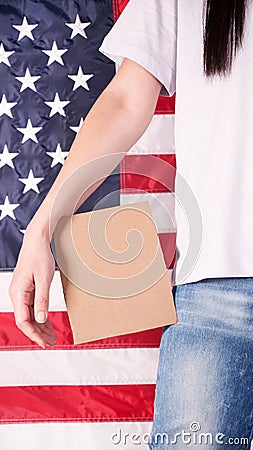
113, 272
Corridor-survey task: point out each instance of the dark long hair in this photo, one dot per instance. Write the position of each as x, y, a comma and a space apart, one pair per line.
223, 34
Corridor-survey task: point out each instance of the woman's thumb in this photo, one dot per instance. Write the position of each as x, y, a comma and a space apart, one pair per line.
41, 300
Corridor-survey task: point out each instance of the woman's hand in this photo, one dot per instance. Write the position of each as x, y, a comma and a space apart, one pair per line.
29, 288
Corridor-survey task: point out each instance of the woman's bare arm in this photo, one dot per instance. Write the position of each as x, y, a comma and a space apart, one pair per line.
115, 122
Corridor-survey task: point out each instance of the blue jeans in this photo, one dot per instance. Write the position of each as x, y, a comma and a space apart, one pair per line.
204, 395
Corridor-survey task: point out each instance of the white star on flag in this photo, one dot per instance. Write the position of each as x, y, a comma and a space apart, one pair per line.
78, 27
7, 208
57, 106
31, 182
77, 129
25, 30
80, 79
58, 156
29, 132
28, 81
5, 107
6, 157
4, 55
55, 54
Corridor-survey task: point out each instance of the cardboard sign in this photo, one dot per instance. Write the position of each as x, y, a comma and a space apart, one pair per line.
113, 272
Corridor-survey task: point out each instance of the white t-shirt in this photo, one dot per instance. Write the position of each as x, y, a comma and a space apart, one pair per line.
213, 133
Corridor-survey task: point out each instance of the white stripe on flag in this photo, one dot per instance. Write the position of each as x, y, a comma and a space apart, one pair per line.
162, 206
85, 367
76, 436
158, 138
56, 299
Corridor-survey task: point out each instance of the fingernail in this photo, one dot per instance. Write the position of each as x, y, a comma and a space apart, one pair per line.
41, 316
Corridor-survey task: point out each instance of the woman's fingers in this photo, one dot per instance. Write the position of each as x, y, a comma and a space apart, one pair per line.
22, 297
23, 322
46, 333
45, 329
29, 291
31, 331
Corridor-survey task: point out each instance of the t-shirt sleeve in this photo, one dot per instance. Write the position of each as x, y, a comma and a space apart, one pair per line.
146, 32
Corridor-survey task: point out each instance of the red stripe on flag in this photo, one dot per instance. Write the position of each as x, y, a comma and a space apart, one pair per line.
77, 403
118, 6
168, 245
165, 105
142, 172
11, 338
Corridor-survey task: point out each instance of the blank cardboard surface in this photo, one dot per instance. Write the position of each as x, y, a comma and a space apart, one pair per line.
113, 272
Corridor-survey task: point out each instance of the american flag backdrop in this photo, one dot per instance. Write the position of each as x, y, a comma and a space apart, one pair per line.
95, 395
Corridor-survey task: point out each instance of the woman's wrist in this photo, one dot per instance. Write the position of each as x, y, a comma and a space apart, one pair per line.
39, 227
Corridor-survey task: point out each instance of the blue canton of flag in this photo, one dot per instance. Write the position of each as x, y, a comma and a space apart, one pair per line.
51, 73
